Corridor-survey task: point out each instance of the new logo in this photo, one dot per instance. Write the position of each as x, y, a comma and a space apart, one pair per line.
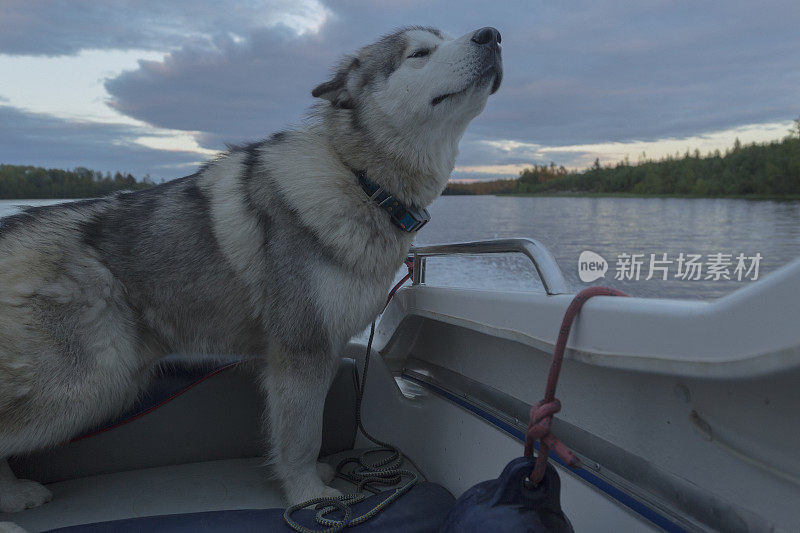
591, 266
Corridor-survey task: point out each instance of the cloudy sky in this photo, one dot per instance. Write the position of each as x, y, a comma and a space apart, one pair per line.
157, 87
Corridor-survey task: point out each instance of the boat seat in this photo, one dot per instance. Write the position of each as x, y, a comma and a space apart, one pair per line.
422, 509
188, 456
196, 409
192, 443
200, 496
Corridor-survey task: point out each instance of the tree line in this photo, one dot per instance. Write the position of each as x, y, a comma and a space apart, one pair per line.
771, 169
28, 182
481, 187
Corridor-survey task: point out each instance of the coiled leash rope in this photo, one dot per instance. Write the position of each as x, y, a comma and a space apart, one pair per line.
541, 416
385, 471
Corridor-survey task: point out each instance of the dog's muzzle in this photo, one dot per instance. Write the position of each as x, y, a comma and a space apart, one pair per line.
489, 39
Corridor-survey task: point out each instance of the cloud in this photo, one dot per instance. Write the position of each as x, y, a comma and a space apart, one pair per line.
239, 90
588, 73
42, 140
579, 78
605, 72
65, 27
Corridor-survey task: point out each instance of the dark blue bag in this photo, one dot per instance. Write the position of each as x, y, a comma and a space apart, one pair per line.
508, 504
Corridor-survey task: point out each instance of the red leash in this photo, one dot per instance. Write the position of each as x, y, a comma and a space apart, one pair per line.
541, 417
410, 265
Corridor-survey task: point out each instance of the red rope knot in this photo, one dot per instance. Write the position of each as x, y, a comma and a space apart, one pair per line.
541, 417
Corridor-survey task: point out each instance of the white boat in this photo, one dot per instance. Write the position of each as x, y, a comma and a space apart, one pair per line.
684, 413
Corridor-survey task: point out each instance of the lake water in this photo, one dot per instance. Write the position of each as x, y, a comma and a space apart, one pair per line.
609, 227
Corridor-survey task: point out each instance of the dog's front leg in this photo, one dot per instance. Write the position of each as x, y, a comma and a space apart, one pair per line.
295, 386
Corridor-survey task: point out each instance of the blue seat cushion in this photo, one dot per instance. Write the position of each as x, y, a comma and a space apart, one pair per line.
174, 375
421, 509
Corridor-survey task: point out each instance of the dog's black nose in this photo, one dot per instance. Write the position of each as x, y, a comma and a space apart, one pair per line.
487, 35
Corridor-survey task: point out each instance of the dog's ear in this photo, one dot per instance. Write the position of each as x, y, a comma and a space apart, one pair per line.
336, 90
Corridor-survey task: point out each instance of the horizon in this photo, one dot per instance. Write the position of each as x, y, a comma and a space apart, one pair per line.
643, 159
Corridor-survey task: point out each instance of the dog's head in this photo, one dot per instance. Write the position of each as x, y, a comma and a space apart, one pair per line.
417, 86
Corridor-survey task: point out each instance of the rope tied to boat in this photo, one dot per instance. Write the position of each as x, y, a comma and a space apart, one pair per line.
409, 262
386, 471
541, 415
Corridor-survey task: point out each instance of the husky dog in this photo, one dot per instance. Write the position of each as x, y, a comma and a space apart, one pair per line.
276, 250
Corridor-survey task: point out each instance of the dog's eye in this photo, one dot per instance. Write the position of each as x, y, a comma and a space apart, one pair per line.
421, 53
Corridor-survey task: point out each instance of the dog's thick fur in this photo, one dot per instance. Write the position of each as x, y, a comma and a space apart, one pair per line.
272, 251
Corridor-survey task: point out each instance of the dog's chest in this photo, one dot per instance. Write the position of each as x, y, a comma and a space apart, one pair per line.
348, 301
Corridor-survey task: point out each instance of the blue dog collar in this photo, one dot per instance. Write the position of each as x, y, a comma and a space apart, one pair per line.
407, 218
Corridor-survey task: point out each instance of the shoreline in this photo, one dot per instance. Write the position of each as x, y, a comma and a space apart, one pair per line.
774, 197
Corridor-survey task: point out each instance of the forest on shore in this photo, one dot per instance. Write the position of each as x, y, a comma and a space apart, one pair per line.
755, 170
19, 182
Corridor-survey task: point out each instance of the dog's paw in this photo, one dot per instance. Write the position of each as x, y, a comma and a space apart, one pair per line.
22, 494
326, 472
10, 527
